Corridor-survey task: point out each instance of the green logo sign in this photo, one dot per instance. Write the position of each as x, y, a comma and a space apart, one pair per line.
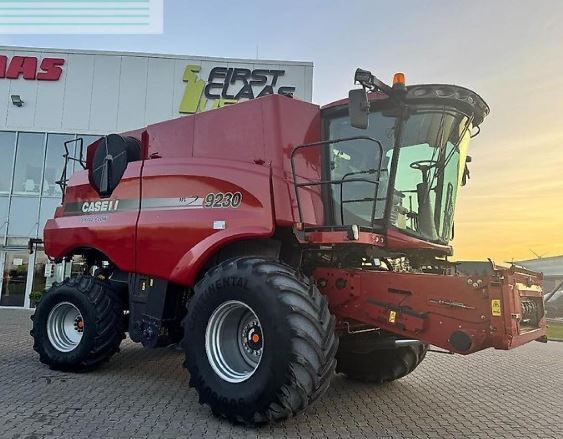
226, 86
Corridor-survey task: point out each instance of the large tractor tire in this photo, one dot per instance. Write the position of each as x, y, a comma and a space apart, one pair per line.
358, 362
259, 341
78, 324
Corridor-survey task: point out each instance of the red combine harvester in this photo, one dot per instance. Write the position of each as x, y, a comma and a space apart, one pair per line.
281, 241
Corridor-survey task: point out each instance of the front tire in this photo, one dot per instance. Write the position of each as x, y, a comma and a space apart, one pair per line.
259, 341
78, 324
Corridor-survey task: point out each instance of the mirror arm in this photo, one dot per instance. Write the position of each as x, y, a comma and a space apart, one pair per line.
367, 80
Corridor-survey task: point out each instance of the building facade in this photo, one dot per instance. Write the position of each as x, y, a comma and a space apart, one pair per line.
49, 97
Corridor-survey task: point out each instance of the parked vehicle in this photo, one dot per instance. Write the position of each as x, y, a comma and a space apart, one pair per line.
281, 242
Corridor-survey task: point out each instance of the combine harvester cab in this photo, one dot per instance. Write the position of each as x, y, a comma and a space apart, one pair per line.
394, 161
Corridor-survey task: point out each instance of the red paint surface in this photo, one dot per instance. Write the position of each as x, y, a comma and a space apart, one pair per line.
242, 148
370, 296
115, 236
173, 244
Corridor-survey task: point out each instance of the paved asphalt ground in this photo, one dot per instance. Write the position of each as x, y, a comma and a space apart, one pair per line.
143, 393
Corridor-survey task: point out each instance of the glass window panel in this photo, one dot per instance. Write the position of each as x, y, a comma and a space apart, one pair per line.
48, 206
29, 163
354, 160
7, 145
4, 204
15, 279
40, 282
24, 214
87, 139
17, 242
54, 162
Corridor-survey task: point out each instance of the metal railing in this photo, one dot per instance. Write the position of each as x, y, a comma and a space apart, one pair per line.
344, 180
71, 158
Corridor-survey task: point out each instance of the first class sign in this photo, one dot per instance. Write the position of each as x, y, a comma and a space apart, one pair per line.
31, 68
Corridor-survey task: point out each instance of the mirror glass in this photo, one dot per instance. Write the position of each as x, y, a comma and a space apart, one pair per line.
358, 108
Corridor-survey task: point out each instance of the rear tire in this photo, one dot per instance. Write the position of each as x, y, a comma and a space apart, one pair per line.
358, 362
78, 324
295, 342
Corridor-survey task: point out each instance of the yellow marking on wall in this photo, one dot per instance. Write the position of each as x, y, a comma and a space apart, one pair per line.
193, 99
218, 103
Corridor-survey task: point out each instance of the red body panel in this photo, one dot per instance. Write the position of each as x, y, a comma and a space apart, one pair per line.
432, 308
238, 149
113, 233
172, 241
400, 241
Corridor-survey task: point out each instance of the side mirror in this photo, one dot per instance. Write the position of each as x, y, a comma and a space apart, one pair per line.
358, 107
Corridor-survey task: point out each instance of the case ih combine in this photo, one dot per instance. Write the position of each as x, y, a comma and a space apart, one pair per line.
281, 241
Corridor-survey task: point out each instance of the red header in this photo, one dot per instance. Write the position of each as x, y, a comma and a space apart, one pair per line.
27, 67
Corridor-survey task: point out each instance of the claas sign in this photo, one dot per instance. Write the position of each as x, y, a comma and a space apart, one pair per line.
29, 67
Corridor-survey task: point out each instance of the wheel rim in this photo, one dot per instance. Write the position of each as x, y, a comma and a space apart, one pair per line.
65, 326
234, 341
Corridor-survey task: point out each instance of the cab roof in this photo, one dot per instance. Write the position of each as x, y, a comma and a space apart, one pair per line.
459, 97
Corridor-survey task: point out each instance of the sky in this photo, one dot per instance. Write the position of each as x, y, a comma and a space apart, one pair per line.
510, 52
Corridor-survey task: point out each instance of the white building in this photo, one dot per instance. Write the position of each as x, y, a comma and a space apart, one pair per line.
50, 96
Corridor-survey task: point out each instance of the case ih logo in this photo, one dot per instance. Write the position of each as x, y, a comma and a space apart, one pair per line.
29, 68
226, 86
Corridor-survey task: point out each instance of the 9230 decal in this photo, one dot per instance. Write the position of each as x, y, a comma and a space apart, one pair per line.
222, 199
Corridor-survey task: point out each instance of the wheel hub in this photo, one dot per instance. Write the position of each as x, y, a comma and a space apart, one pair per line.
65, 327
234, 341
79, 324
252, 338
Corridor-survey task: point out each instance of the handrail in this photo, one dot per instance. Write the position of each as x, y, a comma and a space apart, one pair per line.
64, 180
341, 181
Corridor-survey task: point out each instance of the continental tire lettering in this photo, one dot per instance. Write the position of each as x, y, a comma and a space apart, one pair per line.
223, 200
227, 282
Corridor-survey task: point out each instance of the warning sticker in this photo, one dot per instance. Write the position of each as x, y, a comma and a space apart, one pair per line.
392, 316
495, 308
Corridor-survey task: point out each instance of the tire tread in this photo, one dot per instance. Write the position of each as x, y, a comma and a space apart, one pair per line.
110, 328
308, 305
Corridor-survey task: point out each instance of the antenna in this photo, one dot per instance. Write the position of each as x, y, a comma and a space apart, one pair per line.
538, 255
